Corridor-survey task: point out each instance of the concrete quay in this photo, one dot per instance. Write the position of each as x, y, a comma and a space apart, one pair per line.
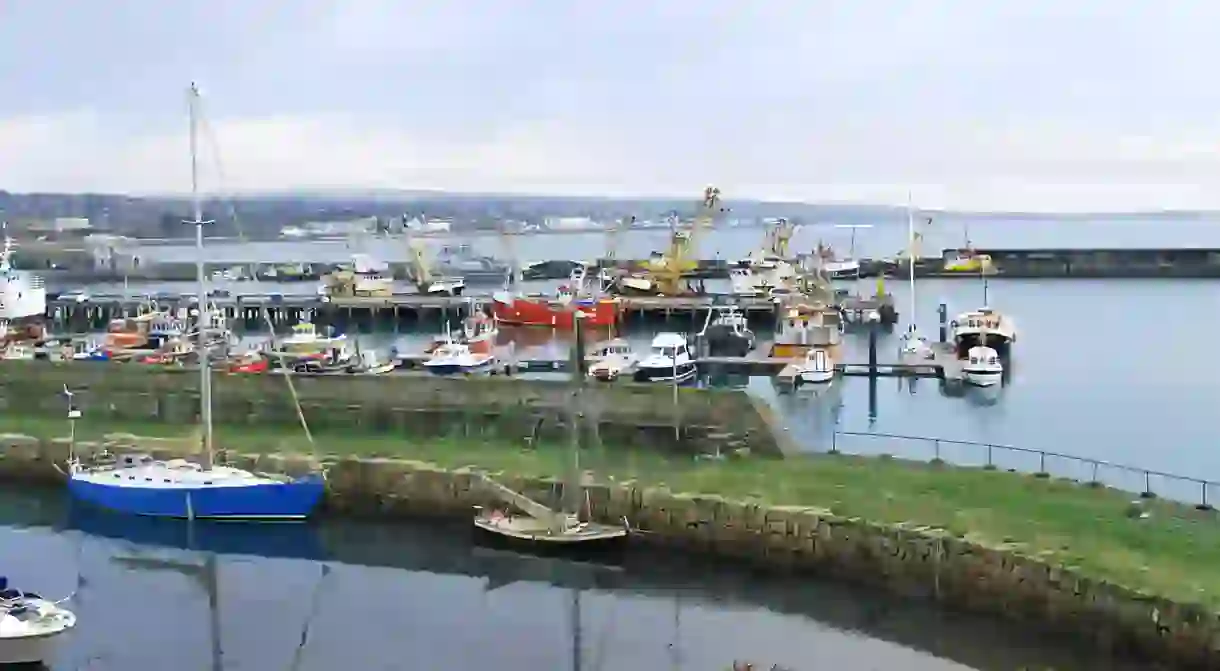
959, 572
97, 310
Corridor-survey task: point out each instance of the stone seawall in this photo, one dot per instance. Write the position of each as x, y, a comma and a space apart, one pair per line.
628, 414
958, 572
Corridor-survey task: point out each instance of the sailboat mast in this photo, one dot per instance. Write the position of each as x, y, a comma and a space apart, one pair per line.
205, 377
911, 256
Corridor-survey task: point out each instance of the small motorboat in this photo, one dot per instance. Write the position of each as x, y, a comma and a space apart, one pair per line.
915, 346
818, 367
611, 359
982, 367
249, 362
30, 626
369, 363
669, 360
455, 357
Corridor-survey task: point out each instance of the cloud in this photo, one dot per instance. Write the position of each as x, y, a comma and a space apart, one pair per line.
1040, 105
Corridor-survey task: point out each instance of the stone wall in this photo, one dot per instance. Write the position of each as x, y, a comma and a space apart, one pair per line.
626, 414
906, 559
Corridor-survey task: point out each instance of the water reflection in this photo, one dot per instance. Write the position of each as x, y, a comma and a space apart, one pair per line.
422, 596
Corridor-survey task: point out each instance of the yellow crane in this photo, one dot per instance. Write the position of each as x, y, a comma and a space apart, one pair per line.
667, 271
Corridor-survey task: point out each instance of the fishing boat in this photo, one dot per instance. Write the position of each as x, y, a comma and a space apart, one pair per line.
138, 484
807, 325
31, 627
456, 357
23, 298
171, 353
556, 311
669, 360
367, 277
611, 359
305, 340
984, 327
538, 527
726, 332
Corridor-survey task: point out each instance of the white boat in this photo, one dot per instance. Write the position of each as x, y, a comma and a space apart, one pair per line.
982, 367
368, 362
611, 359
841, 270
669, 360
817, 367
454, 357
913, 345
23, 297
30, 626
305, 340
760, 277
444, 286
983, 326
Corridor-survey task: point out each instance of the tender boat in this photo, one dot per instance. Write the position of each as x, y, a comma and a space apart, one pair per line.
31, 627
983, 367
138, 484
817, 367
727, 332
669, 360
455, 357
611, 359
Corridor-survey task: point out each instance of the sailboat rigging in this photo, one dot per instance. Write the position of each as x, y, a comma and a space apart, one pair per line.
138, 484
913, 344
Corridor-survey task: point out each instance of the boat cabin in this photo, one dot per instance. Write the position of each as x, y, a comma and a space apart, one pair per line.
670, 345
613, 348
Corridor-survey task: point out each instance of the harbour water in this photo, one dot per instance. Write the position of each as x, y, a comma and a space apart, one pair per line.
418, 596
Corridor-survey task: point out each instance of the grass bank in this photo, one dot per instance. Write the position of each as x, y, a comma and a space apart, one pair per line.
1174, 552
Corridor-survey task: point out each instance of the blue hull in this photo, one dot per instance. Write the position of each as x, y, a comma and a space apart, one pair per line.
294, 500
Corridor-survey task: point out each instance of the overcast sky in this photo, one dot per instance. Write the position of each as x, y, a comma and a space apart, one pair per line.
1030, 105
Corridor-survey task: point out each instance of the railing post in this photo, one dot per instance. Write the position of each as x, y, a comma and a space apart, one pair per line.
936, 451
1147, 493
990, 458
1095, 482
1042, 465
1203, 504
834, 442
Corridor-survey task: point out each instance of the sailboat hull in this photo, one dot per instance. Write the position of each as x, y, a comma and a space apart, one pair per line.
601, 546
271, 501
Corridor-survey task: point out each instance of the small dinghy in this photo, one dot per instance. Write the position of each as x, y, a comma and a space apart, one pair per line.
30, 626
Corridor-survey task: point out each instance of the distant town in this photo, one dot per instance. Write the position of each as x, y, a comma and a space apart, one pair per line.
49, 216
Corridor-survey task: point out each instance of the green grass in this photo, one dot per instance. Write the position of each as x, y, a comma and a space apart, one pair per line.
1174, 553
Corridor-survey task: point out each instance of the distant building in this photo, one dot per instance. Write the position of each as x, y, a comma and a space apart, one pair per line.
569, 223
427, 224
314, 229
61, 227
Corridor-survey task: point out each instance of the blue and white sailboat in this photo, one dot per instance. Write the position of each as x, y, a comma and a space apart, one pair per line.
141, 485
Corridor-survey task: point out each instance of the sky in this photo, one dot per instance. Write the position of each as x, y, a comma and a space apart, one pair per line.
1038, 105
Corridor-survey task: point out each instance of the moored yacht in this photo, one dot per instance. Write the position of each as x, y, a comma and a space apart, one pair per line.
983, 327
455, 357
727, 332
31, 627
669, 360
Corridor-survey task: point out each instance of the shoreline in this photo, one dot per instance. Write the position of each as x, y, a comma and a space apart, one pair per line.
911, 528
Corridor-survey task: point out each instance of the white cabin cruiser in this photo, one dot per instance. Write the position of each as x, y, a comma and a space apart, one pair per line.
454, 357
669, 360
761, 277
817, 367
611, 359
983, 367
30, 626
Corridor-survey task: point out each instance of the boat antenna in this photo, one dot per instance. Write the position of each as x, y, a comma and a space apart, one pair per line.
201, 347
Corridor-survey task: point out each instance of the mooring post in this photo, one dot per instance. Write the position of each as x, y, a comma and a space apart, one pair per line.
943, 312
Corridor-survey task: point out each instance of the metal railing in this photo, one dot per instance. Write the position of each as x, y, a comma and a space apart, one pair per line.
1041, 463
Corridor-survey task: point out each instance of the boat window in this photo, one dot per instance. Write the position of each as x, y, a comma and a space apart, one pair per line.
992, 360
974, 359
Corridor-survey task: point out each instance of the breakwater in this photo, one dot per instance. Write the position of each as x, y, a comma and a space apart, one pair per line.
512, 410
961, 572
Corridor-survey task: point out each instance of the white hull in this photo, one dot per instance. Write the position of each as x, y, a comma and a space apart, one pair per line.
666, 373
842, 270
983, 377
29, 650
816, 376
